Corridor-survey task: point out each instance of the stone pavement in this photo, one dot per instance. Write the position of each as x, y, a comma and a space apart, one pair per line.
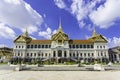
7, 73
59, 75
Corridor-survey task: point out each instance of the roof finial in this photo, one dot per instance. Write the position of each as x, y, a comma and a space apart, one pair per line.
94, 32
60, 25
26, 33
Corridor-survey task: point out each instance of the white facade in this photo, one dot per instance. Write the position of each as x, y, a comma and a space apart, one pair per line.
61, 49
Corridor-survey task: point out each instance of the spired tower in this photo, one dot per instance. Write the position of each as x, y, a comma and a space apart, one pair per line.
60, 45
20, 44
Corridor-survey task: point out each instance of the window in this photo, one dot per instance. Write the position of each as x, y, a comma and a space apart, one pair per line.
77, 46
42, 46
98, 53
34, 54
39, 46
73, 46
46, 46
38, 54
88, 46
16, 46
18, 54
69, 46
97, 46
81, 54
54, 54
46, 54
60, 53
73, 54
100, 46
31, 55
89, 54
70, 54
104, 47
19, 46
91, 46
42, 54
28, 46
77, 54
84, 46
85, 54
35, 46
92, 54
65, 54
31, 46
80, 46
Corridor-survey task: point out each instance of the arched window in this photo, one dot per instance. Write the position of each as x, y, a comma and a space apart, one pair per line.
34, 54
46, 54
81, 54
84, 46
88, 46
42, 46
73, 46
65, 55
31, 55
35, 46
54, 54
39, 46
28, 46
60, 53
31, 46
80, 46
73, 54
89, 54
70, 55
38, 54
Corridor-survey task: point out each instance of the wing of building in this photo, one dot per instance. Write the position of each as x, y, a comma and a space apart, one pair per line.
114, 54
60, 48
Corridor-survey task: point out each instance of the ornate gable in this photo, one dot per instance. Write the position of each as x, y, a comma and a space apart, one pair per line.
20, 39
60, 36
23, 38
97, 38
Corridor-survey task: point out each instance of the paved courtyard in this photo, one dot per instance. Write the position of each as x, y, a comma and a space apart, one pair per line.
59, 75
7, 73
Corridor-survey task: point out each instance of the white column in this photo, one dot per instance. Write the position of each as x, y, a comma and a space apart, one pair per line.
68, 53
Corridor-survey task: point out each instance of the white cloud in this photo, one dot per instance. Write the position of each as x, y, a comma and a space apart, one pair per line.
47, 34
60, 4
6, 32
19, 14
106, 14
113, 42
103, 15
80, 9
33, 37
3, 45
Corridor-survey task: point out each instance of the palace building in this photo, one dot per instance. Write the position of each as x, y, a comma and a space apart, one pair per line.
60, 48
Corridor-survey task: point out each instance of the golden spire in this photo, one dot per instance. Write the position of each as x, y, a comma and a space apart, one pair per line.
60, 26
26, 33
94, 33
